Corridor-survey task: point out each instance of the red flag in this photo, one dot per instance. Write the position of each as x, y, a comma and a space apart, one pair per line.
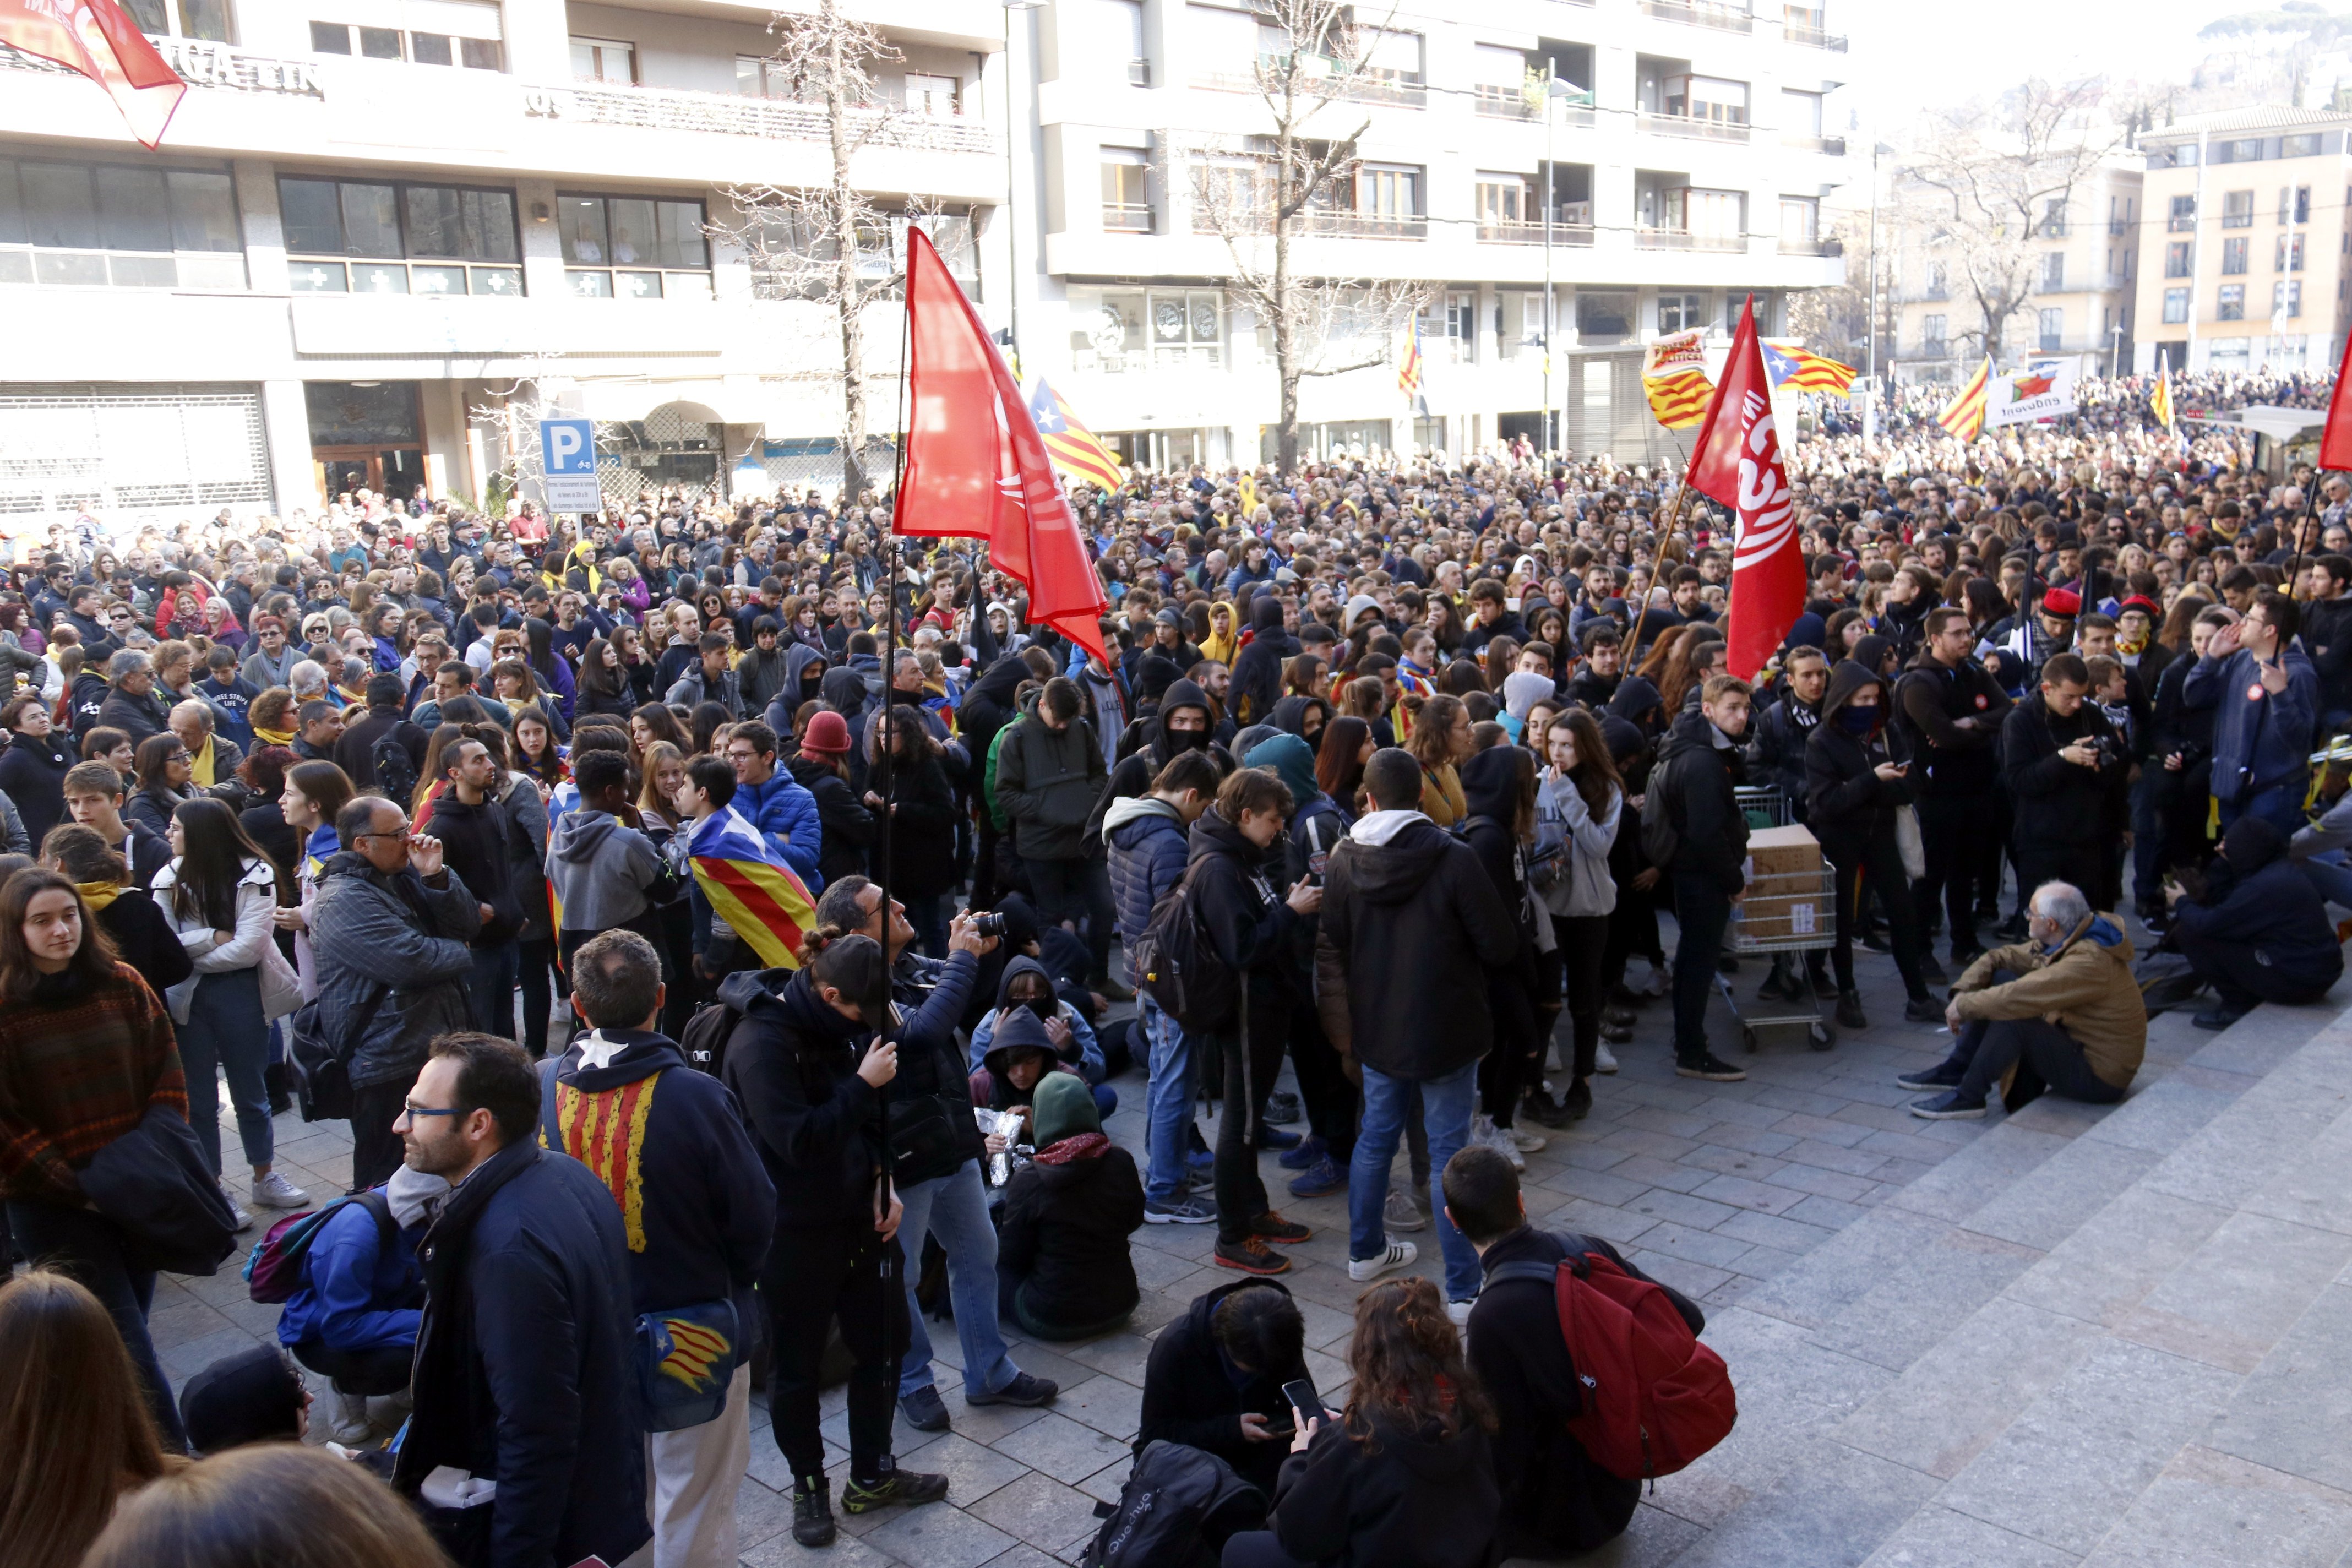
96, 39
2335, 441
975, 464
1737, 461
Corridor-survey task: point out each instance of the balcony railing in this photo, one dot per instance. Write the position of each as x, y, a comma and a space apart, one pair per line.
1367, 226
659, 109
2051, 228
1125, 217
1830, 246
1522, 232
2181, 223
1832, 145
2119, 227
2237, 220
1360, 89
1693, 127
1684, 239
1700, 14
1813, 37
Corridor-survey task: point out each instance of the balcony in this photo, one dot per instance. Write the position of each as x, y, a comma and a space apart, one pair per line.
2181, 223
1361, 89
659, 108
1684, 239
1834, 146
1125, 217
1367, 226
2119, 227
2051, 228
1813, 37
1701, 14
1831, 246
1514, 233
2237, 220
1693, 128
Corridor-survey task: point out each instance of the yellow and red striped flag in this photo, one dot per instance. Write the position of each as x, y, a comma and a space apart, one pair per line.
749, 888
2160, 402
1075, 449
1678, 400
1409, 373
1964, 416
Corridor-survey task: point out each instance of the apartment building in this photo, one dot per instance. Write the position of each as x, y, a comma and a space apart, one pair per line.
2245, 241
2082, 264
381, 231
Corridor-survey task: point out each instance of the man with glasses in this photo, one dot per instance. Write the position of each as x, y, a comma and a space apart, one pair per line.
389, 934
131, 705
272, 660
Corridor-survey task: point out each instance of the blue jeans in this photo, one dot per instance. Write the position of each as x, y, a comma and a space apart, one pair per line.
2281, 807
224, 1031
491, 989
2331, 873
1445, 1105
954, 1208
1168, 1101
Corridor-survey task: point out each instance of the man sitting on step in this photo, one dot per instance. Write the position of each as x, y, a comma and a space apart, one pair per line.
2072, 1020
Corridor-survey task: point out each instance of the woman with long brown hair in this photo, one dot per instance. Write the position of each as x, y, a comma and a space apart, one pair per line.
1441, 743
1579, 808
75, 1436
86, 1051
281, 1503
1340, 760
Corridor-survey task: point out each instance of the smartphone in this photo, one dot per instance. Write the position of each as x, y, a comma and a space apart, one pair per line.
1304, 1400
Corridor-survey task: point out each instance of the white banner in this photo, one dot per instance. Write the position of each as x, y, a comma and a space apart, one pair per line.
2042, 390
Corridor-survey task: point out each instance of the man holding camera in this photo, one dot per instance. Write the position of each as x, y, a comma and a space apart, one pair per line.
2061, 762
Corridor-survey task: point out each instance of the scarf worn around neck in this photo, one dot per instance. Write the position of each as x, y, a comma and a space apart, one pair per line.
273, 737
98, 895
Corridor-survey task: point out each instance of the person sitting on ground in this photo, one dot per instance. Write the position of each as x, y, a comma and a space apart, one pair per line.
2072, 1020
354, 1316
1027, 986
1063, 1267
1405, 1477
1215, 1378
1020, 1055
2258, 932
1557, 1502
252, 1396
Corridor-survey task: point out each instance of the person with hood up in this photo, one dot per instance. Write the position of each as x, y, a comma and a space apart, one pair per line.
2072, 1020
2259, 931
1854, 787
1410, 925
1257, 669
805, 671
1027, 986
1064, 1268
1221, 645
1499, 785
1184, 723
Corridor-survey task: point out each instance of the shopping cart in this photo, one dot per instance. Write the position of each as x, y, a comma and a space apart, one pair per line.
1801, 918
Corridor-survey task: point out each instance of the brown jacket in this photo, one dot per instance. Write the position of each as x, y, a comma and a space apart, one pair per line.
2085, 987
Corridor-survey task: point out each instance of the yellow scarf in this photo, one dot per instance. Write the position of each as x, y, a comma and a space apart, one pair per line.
274, 737
98, 895
200, 766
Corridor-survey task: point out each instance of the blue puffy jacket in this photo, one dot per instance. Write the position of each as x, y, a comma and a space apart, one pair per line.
356, 1294
1147, 840
785, 813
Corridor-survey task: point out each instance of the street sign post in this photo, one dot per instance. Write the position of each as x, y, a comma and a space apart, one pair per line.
567, 450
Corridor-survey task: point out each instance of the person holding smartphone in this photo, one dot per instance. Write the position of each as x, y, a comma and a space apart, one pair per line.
1853, 787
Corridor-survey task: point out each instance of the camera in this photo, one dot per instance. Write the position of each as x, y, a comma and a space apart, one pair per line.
988, 922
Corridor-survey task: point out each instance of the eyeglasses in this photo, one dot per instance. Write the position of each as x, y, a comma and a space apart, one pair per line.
413, 1110
401, 832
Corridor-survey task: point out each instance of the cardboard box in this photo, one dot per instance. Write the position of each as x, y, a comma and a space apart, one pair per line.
1786, 896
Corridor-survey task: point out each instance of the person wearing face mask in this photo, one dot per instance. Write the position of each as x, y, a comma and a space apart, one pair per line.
1853, 787
1184, 723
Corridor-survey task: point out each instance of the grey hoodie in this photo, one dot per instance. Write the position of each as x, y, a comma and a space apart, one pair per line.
602, 870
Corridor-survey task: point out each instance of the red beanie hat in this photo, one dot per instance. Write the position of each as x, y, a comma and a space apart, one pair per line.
2062, 602
828, 734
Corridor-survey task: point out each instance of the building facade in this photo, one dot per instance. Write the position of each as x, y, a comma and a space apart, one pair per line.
2243, 241
382, 235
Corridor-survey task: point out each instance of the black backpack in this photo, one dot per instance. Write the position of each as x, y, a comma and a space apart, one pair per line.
703, 1042
395, 771
1174, 960
1661, 838
1178, 1506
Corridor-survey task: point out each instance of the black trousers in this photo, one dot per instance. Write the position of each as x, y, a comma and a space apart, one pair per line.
375, 1147
2045, 1055
375, 1372
1507, 1069
1330, 1099
2235, 974
90, 1247
1583, 945
1702, 909
540, 985
1079, 890
1953, 830
813, 1275
1249, 1077
1875, 866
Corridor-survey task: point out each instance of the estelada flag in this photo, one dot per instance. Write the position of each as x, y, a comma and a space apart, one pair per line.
2336, 440
2160, 402
976, 466
1736, 460
1964, 416
1075, 449
1793, 365
96, 39
749, 888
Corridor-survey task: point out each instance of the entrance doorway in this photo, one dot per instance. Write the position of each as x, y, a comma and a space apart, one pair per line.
396, 472
366, 435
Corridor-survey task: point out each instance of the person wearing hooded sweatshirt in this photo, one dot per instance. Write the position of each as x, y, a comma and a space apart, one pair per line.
1063, 1265
1026, 985
1854, 787
603, 869
697, 1211
805, 672
1698, 770
2072, 1020
354, 1314
1257, 669
2259, 931
1050, 775
1184, 723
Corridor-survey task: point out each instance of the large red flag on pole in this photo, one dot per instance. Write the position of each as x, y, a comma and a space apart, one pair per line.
975, 465
2335, 441
1737, 461
96, 39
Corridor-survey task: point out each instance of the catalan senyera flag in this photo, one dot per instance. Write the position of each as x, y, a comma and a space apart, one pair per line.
1793, 365
1964, 416
1673, 375
1075, 449
754, 892
1409, 373
2160, 402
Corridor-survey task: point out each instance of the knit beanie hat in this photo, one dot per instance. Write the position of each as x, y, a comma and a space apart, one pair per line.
1064, 1108
828, 734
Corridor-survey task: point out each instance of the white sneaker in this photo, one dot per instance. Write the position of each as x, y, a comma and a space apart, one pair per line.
242, 1220
1604, 1059
1661, 980
1483, 1132
1460, 1313
347, 1418
1400, 1255
1400, 1213
275, 1192
1525, 1142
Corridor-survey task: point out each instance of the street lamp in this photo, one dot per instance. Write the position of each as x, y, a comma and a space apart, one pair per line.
1012, 179
1554, 89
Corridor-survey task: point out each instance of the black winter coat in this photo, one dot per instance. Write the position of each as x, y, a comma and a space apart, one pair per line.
145, 940
32, 775
2059, 807
922, 830
1405, 1499
525, 1371
1848, 806
1257, 669
1776, 748
1241, 908
848, 826
1067, 1216
1193, 1395
474, 839
1693, 783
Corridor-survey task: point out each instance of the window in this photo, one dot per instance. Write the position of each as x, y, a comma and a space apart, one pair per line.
1800, 113
1142, 330
610, 60
2183, 218
1604, 316
2053, 219
2176, 258
463, 33
756, 77
1939, 280
1719, 100
785, 242
1800, 220
355, 236
2237, 209
1933, 343
1506, 199
2176, 306
132, 227
2234, 256
2054, 272
1393, 56
2295, 204
204, 19
1118, 37
1388, 190
368, 43
1449, 332
935, 96
2288, 257
1125, 195
2230, 354
632, 248
2232, 305
2286, 297
1682, 313
2053, 331
1501, 79
2299, 146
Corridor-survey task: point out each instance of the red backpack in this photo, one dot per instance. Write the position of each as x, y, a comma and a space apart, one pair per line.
1656, 1398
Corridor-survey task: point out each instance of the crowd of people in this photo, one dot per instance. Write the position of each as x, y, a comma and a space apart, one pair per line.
436, 824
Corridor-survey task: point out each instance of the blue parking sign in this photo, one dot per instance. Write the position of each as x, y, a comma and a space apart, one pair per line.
567, 449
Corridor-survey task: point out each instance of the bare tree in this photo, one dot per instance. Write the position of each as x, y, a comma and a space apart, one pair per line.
1835, 320
1987, 179
1263, 196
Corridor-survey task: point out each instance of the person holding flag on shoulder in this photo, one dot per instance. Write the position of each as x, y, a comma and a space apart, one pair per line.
743, 894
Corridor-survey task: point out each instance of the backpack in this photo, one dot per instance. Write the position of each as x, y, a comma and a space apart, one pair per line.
1178, 967
273, 1271
1658, 1398
1661, 839
395, 771
1178, 1507
703, 1041
322, 1070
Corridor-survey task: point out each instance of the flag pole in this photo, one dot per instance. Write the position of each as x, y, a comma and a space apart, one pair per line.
888, 1276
